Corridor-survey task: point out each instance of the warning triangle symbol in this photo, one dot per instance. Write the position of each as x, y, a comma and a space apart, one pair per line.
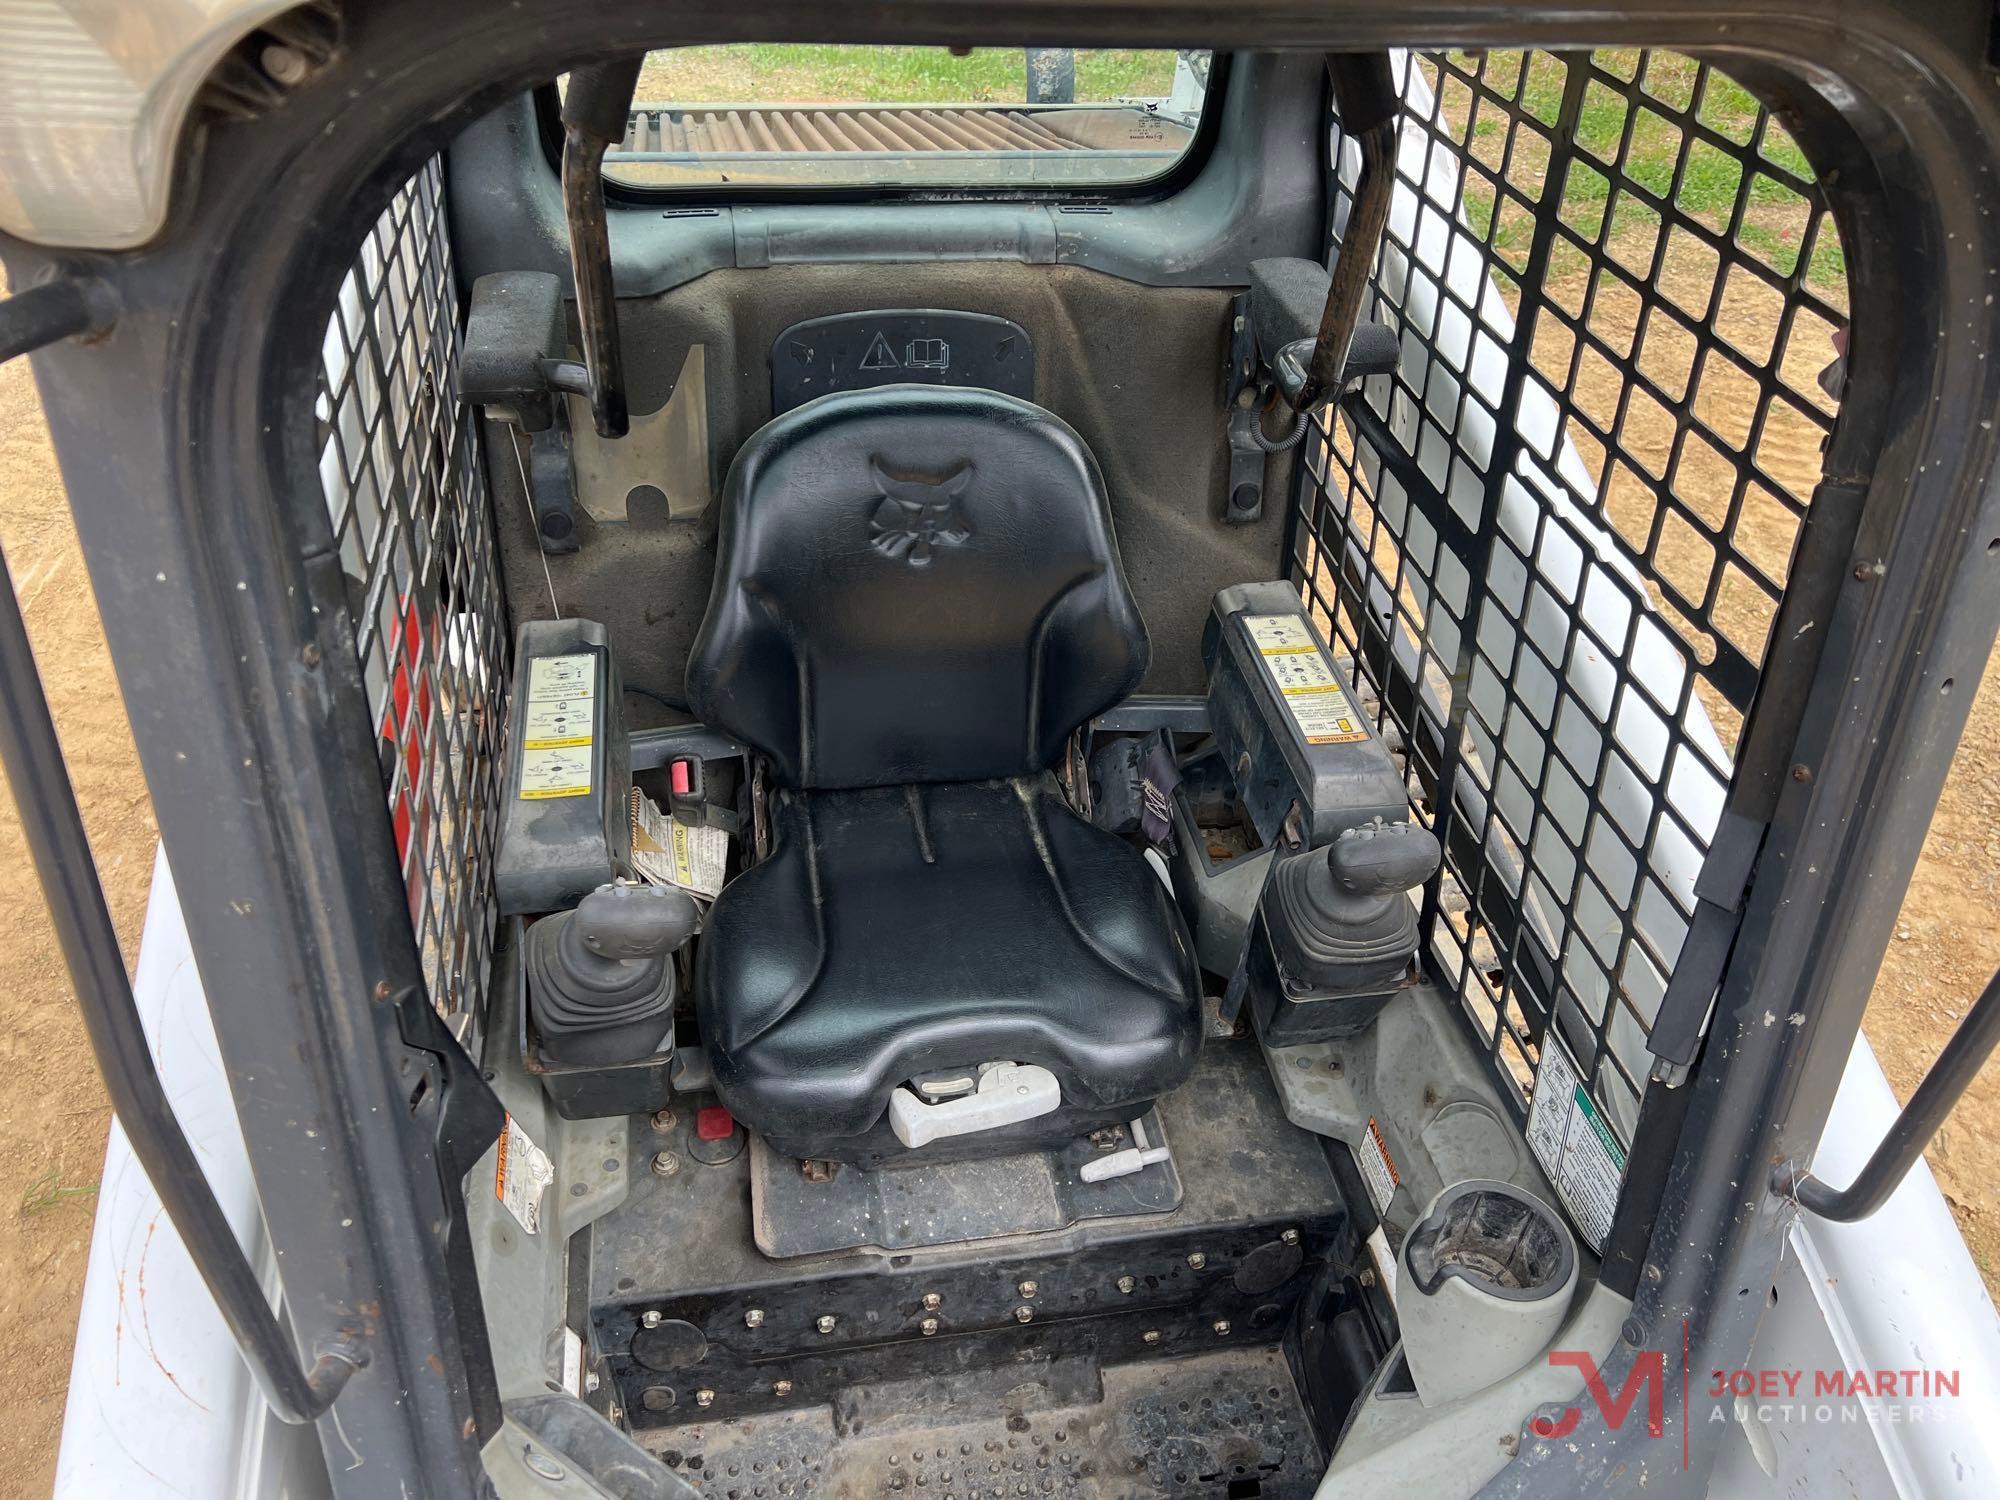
879, 356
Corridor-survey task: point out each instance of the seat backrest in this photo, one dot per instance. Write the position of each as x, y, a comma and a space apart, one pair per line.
913, 584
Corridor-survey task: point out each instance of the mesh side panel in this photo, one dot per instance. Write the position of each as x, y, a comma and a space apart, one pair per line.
399, 465
1552, 544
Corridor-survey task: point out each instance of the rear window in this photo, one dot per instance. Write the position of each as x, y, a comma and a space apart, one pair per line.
827, 116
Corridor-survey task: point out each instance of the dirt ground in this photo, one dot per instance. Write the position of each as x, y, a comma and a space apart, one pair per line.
53, 1117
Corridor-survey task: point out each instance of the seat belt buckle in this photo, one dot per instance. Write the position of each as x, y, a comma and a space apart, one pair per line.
687, 790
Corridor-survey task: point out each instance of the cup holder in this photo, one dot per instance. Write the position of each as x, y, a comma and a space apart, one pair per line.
1487, 1276
1496, 1237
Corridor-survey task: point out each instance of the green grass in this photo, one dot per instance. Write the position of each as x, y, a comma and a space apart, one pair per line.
1775, 215
47, 1191
790, 72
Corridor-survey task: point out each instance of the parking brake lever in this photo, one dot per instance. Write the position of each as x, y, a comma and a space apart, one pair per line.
596, 108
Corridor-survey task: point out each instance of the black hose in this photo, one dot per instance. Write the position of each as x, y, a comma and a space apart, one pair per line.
1278, 444
53, 828
41, 315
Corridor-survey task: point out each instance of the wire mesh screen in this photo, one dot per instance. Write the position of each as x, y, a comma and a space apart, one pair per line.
399, 465
1552, 544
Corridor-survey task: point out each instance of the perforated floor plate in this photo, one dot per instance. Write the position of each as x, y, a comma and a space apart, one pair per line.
1225, 1425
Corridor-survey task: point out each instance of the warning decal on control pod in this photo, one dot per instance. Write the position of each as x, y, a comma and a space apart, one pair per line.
1305, 678
1378, 1167
557, 729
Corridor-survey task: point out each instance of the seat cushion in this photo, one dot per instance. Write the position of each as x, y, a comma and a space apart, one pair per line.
898, 931
913, 584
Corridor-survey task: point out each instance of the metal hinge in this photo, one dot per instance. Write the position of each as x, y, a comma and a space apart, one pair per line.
1718, 916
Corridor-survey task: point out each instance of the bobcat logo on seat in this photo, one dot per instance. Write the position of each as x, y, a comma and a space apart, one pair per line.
918, 515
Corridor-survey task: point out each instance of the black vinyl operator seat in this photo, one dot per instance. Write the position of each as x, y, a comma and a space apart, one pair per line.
917, 600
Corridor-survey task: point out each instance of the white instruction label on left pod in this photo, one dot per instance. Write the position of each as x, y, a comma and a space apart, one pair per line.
555, 771
562, 707
558, 725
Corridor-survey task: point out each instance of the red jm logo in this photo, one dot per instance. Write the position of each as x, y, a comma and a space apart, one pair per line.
1648, 1374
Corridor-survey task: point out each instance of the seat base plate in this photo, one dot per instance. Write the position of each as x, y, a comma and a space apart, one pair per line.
923, 1202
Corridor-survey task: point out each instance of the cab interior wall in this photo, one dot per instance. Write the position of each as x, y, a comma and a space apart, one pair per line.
1256, 192
1129, 311
1136, 370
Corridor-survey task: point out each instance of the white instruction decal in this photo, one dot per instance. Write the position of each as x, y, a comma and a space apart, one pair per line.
557, 727
522, 1176
1572, 1140
1378, 1167
555, 773
561, 677
572, 1361
1305, 678
668, 851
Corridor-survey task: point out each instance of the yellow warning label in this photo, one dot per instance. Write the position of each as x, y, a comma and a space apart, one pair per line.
558, 727
1313, 694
